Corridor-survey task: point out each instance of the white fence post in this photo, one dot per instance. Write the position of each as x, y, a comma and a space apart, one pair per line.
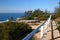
41, 38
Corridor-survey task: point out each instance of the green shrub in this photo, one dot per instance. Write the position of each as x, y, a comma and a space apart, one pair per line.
59, 22
14, 30
58, 26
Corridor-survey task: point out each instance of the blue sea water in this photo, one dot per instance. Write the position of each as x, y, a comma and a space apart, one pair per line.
5, 16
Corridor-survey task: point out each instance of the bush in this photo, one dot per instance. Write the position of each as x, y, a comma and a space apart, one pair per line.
55, 15
59, 22
14, 30
58, 26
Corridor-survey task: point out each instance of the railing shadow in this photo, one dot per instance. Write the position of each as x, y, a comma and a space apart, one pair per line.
56, 38
53, 30
52, 34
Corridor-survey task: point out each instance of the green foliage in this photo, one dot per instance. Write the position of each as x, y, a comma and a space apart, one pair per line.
54, 16
59, 22
38, 14
14, 30
56, 13
58, 26
42, 17
57, 10
28, 15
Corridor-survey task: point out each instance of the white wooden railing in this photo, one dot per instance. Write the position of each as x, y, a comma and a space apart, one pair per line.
43, 27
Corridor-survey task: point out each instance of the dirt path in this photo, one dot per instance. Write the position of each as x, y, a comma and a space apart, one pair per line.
51, 34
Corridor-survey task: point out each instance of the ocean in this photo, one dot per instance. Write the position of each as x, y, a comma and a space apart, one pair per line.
5, 16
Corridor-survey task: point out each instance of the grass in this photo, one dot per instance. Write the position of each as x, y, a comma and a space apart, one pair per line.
14, 30
58, 26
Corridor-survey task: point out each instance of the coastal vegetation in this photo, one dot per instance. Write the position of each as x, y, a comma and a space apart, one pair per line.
41, 15
56, 13
13, 30
36, 15
58, 26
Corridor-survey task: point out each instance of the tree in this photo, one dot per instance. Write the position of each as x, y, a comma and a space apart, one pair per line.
56, 12
58, 26
28, 15
37, 12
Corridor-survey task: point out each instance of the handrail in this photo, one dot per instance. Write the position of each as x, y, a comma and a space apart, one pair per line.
34, 31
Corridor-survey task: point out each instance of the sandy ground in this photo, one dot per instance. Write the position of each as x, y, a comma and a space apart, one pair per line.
51, 34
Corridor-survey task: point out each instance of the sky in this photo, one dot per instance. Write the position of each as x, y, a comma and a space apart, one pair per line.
25, 5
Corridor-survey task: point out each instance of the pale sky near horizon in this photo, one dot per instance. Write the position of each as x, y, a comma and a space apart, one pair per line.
24, 5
